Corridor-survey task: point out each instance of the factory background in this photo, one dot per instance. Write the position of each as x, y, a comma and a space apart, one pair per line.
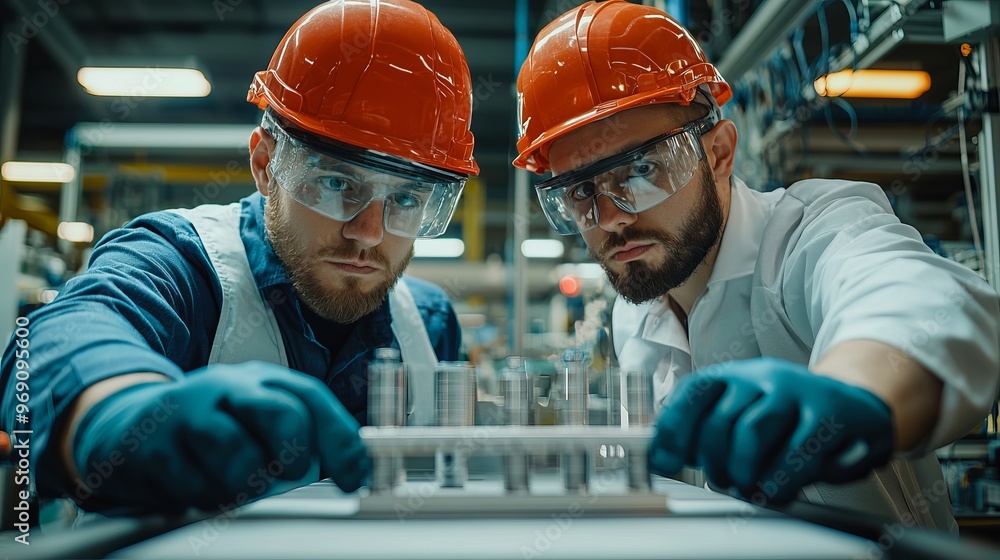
902, 93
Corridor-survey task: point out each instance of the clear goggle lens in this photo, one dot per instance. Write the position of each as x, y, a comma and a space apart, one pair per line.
418, 201
634, 181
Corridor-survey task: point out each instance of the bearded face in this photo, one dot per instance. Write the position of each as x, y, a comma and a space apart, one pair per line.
683, 250
342, 276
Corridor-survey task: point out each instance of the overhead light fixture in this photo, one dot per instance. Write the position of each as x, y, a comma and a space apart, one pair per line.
37, 172
442, 247
542, 248
77, 232
884, 84
152, 81
162, 135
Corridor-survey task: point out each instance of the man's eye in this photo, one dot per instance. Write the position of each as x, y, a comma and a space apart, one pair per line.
642, 168
406, 200
583, 191
336, 184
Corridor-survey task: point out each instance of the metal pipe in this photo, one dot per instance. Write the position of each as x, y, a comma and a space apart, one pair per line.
425, 440
522, 217
455, 405
989, 172
766, 29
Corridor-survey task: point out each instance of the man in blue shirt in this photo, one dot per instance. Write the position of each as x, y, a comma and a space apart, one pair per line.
217, 355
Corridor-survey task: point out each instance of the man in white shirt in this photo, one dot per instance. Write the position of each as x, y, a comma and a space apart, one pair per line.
805, 343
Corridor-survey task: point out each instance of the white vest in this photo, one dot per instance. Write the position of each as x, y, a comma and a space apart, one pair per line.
248, 330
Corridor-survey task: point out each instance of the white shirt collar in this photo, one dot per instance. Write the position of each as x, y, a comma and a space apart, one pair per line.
748, 212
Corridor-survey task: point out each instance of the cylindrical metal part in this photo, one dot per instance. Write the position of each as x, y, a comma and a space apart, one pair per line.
387, 473
571, 409
571, 391
637, 398
638, 471
517, 392
637, 411
451, 468
387, 400
455, 405
517, 395
575, 469
614, 383
386, 389
515, 471
455, 394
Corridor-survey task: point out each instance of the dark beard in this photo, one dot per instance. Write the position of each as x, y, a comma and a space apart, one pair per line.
686, 250
345, 305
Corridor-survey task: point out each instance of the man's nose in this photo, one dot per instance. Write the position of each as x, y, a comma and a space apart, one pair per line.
610, 217
366, 228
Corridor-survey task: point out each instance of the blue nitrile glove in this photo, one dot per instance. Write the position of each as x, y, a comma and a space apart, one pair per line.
224, 434
768, 427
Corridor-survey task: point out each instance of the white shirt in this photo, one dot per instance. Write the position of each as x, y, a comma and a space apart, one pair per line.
850, 270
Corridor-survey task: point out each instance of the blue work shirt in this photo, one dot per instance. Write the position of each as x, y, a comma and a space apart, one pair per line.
150, 302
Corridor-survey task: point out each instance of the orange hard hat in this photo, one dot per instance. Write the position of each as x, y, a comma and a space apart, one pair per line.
384, 75
601, 58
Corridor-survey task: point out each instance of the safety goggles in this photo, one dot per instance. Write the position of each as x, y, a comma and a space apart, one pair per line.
634, 181
340, 181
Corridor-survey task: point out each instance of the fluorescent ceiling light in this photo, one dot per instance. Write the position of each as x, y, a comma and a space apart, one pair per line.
144, 82
886, 84
542, 248
181, 136
442, 247
78, 232
37, 172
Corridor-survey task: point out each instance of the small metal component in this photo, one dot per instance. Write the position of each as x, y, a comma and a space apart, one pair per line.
387, 399
455, 394
386, 389
614, 395
612, 376
637, 412
571, 410
517, 394
637, 398
570, 391
455, 405
638, 470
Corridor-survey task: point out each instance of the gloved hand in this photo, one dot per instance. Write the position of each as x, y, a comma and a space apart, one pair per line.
769, 427
222, 431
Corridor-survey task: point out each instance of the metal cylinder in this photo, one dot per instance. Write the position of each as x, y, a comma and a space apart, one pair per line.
575, 467
517, 394
637, 398
637, 411
387, 400
386, 389
455, 394
570, 391
638, 470
455, 405
571, 409
614, 383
